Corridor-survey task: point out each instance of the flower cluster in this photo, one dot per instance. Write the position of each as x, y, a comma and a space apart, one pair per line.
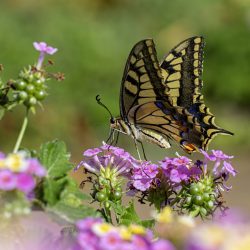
94, 234
110, 164
189, 186
180, 169
229, 232
30, 87
17, 172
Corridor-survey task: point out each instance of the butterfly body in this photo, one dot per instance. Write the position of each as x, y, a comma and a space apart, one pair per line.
139, 134
162, 101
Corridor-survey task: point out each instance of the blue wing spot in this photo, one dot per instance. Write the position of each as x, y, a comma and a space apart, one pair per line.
194, 109
159, 105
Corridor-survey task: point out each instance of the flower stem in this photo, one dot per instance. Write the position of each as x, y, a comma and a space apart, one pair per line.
108, 215
21, 133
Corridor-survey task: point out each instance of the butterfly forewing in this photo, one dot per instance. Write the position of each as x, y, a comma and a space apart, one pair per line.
182, 71
142, 79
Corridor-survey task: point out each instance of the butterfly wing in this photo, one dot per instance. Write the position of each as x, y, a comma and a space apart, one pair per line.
142, 79
166, 100
182, 72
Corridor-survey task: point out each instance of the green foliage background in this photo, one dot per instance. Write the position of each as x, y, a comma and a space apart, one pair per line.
94, 38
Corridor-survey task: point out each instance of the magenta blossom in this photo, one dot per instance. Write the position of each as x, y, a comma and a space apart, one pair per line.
222, 164
180, 169
25, 182
7, 180
44, 49
114, 157
19, 172
143, 175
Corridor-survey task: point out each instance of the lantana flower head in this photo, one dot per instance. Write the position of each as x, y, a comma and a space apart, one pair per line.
113, 237
18, 172
143, 175
97, 158
180, 169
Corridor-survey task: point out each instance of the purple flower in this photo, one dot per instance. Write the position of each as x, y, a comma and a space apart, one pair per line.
162, 245
143, 175
228, 168
7, 180
114, 157
91, 152
220, 159
140, 242
87, 240
25, 182
87, 223
111, 241
34, 167
44, 49
180, 169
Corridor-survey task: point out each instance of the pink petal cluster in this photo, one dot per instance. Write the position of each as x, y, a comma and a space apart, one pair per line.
91, 237
22, 178
180, 169
106, 155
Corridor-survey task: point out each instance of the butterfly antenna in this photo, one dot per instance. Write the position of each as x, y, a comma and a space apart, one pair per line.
98, 99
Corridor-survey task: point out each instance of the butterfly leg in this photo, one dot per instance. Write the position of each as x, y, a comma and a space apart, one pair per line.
136, 146
117, 138
143, 150
110, 136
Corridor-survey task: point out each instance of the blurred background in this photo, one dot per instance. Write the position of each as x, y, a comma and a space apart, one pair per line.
94, 38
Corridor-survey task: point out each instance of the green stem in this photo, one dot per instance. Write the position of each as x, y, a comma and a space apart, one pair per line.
21, 133
108, 215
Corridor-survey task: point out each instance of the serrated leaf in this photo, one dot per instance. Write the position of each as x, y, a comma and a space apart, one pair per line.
52, 189
72, 214
72, 189
129, 216
54, 156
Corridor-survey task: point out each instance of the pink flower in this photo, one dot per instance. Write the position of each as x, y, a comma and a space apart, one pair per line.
7, 180
110, 241
34, 167
44, 49
25, 182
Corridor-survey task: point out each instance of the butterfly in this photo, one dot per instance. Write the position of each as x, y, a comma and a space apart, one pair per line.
160, 102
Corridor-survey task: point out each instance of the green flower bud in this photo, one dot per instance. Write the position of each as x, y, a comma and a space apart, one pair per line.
20, 85
39, 83
206, 196
31, 101
100, 196
198, 200
107, 205
40, 95
117, 195
30, 88
22, 95
210, 205
194, 189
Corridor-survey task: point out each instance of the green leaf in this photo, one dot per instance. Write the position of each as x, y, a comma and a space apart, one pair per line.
54, 156
72, 214
52, 189
128, 215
